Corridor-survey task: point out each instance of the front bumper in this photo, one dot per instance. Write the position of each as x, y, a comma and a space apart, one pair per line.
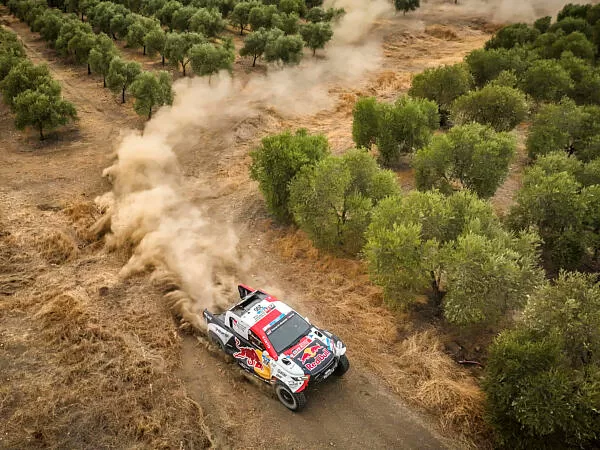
326, 372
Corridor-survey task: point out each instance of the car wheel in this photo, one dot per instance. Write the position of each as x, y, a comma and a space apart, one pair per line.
294, 401
343, 366
215, 340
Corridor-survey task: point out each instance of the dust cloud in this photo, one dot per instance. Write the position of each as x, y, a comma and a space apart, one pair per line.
516, 10
192, 255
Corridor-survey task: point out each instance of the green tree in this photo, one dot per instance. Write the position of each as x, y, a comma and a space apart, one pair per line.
288, 23
121, 74
542, 24
316, 35
69, 29
262, 16
208, 59
155, 41
546, 80
486, 65
81, 45
287, 49
454, 249
570, 25
49, 24
43, 108
500, 107
470, 156
442, 85
119, 24
404, 127
332, 200
277, 161
552, 203
101, 54
178, 45
513, 35
407, 5
181, 18
151, 90
165, 14
240, 16
542, 379
293, 7
207, 21
575, 43
365, 124
573, 10
255, 44
24, 76
138, 30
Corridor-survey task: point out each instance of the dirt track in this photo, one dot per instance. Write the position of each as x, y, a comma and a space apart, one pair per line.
37, 180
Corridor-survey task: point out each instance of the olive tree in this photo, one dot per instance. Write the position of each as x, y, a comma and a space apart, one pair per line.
486, 65
500, 107
277, 161
207, 21
208, 59
442, 85
240, 16
513, 35
316, 35
546, 80
542, 378
286, 49
255, 44
121, 74
407, 5
470, 156
101, 54
178, 45
454, 249
154, 42
43, 108
404, 126
332, 200
151, 90
365, 124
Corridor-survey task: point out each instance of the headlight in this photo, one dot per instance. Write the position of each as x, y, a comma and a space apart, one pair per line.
303, 378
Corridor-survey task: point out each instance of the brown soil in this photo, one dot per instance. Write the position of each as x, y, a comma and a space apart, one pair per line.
89, 360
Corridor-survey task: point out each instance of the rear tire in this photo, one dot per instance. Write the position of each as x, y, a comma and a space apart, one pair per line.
294, 401
343, 366
215, 340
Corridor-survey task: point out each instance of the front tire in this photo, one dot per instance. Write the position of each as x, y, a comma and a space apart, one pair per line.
294, 401
343, 366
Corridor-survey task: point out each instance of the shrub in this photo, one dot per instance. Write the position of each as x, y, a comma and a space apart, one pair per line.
546, 80
500, 107
277, 161
442, 85
471, 156
332, 200
512, 35
486, 65
455, 247
543, 378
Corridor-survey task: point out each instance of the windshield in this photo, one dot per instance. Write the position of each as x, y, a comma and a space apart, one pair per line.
287, 331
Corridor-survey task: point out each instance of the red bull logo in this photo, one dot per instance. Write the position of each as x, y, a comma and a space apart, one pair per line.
310, 352
249, 354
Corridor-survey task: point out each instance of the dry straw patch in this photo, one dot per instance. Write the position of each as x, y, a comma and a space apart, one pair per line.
412, 362
56, 246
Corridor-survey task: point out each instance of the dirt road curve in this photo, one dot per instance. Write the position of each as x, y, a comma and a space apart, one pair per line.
355, 412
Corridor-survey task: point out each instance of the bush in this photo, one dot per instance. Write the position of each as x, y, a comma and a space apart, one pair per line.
543, 379
277, 161
365, 124
455, 247
332, 200
442, 85
500, 107
404, 127
512, 35
567, 127
486, 65
471, 156
546, 80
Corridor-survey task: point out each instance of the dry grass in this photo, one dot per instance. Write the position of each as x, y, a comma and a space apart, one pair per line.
412, 362
56, 246
443, 32
86, 364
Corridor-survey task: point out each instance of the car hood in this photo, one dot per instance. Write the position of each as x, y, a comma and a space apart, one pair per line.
311, 353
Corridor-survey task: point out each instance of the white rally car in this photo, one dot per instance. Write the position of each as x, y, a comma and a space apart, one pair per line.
276, 344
